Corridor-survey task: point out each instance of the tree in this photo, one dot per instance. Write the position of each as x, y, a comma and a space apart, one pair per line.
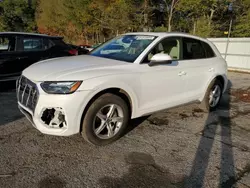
52, 17
17, 15
241, 25
96, 21
171, 11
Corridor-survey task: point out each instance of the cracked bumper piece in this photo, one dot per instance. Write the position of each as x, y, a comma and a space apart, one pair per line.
58, 115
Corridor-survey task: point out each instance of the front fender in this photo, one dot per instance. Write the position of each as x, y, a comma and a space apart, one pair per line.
97, 85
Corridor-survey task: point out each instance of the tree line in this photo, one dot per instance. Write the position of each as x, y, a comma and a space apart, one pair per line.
93, 21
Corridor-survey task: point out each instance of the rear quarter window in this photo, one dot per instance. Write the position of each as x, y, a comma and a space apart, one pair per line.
59, 43
209, 51
193, 49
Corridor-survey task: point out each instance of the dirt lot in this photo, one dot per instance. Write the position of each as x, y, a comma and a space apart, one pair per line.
182, 147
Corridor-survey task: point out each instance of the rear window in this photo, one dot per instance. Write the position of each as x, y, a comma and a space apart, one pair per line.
6, 43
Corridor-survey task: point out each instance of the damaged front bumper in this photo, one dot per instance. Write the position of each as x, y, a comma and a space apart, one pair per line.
58, 115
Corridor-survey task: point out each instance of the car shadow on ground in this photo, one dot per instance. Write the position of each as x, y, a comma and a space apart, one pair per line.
9, 111
134, 123
143, 172
219, 119
7, 86
52, 181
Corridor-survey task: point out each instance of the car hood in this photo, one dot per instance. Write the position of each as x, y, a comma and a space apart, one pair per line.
74, 68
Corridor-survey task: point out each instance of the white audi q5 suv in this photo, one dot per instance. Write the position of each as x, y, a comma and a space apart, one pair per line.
97, 94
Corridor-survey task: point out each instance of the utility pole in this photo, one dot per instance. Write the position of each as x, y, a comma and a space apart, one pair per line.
230, 10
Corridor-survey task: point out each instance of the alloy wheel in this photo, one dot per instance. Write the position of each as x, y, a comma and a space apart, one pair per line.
214, 96
108, 121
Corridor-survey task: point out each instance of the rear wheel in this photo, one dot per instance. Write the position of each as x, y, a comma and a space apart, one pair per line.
106, 120
213, 96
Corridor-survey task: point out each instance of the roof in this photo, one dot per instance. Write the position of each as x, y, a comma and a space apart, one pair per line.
165, 34
29, 34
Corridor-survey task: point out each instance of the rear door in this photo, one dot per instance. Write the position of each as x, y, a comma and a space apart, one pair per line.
198, 64
8, 57
30, 50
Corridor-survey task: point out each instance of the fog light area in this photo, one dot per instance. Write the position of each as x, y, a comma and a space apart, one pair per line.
54, 117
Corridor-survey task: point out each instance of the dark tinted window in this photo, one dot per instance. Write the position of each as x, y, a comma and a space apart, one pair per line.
47, 43
192, 49
208, 49
58, 44
6, 44
33, 44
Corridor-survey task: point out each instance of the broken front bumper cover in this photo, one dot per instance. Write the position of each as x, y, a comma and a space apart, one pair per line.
58, 115
41, 126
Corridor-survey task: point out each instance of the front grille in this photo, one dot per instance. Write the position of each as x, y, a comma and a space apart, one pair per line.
26, 113
27, 93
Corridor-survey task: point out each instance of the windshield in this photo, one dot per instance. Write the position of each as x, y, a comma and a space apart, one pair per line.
124, 48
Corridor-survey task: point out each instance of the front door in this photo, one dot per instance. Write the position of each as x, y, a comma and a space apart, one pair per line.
162, 86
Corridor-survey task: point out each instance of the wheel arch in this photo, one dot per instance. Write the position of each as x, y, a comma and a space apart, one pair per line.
223, 81
124, 94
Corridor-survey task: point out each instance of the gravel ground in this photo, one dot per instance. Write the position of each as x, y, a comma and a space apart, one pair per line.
181, 147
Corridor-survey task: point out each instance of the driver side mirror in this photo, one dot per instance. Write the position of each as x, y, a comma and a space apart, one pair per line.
160, 59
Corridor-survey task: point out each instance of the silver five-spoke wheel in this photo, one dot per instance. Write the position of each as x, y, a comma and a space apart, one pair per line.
214, 96
108, 121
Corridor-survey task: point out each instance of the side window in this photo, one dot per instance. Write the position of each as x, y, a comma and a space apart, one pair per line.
170, 46
47, 44
58, 44
192, 49
209, 51
33, 44
6, 44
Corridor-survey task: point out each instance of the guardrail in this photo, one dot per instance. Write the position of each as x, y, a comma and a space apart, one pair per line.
236, 52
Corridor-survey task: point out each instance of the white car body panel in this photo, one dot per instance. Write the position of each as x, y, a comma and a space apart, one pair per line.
154, 93
150, 89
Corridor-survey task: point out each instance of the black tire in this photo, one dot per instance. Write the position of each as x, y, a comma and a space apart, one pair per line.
88, 132
205, 103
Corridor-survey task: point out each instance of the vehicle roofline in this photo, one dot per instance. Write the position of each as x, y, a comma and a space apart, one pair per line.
29, 34
167, 34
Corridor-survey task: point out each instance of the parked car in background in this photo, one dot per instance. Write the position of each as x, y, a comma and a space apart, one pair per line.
97, 94
20, 50
95, 45
80, 49
86, 46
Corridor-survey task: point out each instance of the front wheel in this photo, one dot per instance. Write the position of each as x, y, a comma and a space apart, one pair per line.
106, 120
212, 96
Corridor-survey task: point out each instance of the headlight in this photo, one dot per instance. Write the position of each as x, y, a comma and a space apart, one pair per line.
60, 87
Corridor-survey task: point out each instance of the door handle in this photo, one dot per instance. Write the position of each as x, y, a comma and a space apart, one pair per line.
182, 73
211, 70
19, 58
